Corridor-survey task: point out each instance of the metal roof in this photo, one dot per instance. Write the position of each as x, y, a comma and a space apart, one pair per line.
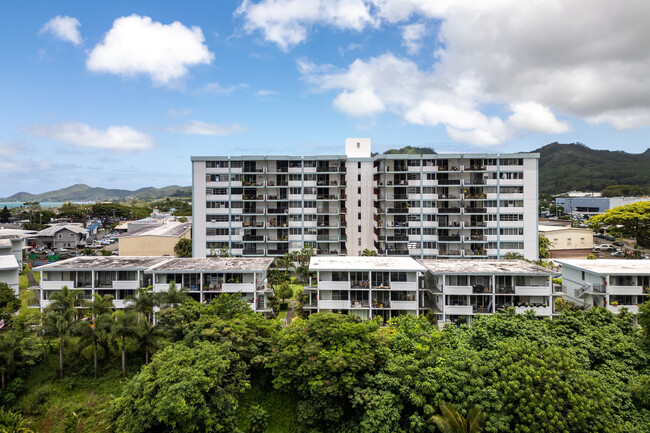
87, 263
485, 267
365, 263
52, 230
158, 264
216, 264
8, 262
609, 266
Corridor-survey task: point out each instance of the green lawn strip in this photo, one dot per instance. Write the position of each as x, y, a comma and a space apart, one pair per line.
297, 288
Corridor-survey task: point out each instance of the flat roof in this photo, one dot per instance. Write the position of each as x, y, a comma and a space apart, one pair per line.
227, 264
550, 228
8, 262
112, 263
159, 264
381, 156
365, 263
487, 267
171, 229
609, 266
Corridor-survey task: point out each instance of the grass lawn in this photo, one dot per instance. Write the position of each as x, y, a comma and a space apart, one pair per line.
297, 288
282, 315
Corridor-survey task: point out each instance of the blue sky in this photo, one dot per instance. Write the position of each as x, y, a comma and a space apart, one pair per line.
121, 94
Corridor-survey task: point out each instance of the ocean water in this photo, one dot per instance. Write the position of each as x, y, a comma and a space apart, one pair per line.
43, 204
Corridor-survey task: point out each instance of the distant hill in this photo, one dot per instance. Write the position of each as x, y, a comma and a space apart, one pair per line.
411, 150
81, 192
576, 167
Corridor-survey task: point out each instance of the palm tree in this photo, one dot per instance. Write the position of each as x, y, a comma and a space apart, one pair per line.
8, 348
174, 296
144, 302
368, 252
513, 256
93, 335
124, 326
64, 302
147, 339
57, 325
100, 305
452, 421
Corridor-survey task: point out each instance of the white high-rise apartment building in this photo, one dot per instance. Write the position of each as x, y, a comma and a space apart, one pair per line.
423, 206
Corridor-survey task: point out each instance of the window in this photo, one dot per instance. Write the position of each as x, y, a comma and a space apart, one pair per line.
359, 241
358, 163
358, 178
359, 229
359, 190
359, 203
59, 236
359, 215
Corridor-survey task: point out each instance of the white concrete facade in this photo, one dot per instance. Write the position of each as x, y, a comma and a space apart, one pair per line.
9, 272
613, 284
457, 290
120, 277
424, 206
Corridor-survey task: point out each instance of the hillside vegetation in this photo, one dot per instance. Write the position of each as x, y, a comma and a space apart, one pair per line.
82, 192
575, 167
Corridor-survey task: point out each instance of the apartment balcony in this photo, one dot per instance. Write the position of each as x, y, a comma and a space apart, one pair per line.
634, 309
126, 285
481, 309
57, 285
161, 287
332, 210
252, 211
253, 252
404, 285
625, 290
333, 305
505, 291
278, 252
392, 211
474, 253
449, 182
474, 210
252, 225
459, 310
330, 169
458, 290
253, 197
277, 211
327, 238
251, 238
397, 238
451, 253
334, 285
393, 252
359, 304
533, 290
328, 197
452, 238
120, 304
539, 311
380, 303
474, 167
445, 210
238, 287
404, 305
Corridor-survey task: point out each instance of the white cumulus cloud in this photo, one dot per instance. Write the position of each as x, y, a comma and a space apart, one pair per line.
286, 22
535, 61
412, 35
138, 45
205, 128
63, 27
534, 117
116, 138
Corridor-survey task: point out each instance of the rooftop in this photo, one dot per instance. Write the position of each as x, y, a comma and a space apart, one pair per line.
551, 228
228, 264
171, 229
610, 266
103, 263
8, 262
159, 264
52, 230
365, 263
485, 267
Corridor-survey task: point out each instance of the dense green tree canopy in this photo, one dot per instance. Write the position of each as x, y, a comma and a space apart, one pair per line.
183, 389
633, 218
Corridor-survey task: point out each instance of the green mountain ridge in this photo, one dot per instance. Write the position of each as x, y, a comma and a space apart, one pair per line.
82, 192
576, 167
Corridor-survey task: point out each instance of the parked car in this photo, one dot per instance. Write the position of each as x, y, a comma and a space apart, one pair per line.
604, 247
618, 244
610, 238
618, 254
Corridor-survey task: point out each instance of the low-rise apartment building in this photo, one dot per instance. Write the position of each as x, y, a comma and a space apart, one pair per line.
423, 206
614, 284
154, 241
9, 271
120, 277
366, 286
457, 290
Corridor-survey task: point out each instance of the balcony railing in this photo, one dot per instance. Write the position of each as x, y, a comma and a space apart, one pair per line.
449, 210
475, 210
453, 238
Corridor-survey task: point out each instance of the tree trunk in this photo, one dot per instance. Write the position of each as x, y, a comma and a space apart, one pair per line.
60, 359
123, 358
95, 362
146, 361
3, 379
